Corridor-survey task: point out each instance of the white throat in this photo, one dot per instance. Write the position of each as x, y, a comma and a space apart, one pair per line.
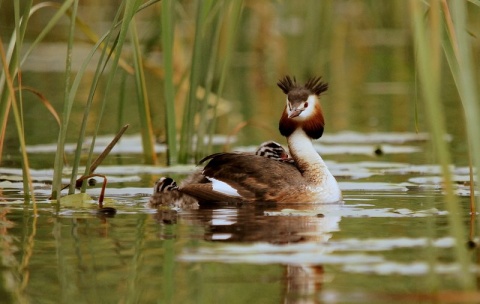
303, 152
313, 168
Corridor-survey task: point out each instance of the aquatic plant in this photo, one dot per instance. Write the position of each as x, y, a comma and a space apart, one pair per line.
442, 30
11, 62
202, 100
110, 45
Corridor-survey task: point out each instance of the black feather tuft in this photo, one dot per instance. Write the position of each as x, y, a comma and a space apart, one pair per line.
316, 86
287, 84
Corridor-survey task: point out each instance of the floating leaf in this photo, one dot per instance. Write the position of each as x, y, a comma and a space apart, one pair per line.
77, 200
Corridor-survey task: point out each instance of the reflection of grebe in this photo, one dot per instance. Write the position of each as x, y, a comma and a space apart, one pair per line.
233, 177
293, 236
272, 223
167, 193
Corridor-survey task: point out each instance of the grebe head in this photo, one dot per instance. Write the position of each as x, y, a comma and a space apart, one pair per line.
273, 150
164, 184
302, 107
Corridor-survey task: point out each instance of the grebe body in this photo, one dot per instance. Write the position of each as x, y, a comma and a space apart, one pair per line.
234, 177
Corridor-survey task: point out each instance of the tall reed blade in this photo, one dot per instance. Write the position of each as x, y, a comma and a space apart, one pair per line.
13, 64
149, 154
209, 69
111, 37
168, 29
427, 46
452, 54
233, 21
196, 71
131, 7
27, 180
59, 156
466, 79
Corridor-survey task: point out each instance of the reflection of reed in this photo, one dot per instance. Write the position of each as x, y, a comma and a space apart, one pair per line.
15, 274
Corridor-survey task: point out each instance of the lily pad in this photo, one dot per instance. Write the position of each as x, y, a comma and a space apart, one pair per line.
77, 200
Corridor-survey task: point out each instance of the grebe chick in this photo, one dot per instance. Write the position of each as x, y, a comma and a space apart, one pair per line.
166, 194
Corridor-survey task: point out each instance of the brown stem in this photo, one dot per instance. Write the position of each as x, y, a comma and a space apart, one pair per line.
100, 158
107, 150
104, 186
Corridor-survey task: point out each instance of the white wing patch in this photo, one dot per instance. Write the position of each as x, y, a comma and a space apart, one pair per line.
223, 187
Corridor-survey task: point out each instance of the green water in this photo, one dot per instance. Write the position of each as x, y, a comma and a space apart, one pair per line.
373, 248
136, 256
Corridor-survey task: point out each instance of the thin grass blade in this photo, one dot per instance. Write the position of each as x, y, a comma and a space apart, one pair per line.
427, 49
168, 28
149, 154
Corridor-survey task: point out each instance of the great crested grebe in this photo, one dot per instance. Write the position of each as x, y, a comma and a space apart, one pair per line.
166, 192
233, 177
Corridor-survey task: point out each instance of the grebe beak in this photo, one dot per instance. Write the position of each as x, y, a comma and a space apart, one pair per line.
298, 109
295, 113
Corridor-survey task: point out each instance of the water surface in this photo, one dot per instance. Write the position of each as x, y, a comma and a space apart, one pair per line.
388, 239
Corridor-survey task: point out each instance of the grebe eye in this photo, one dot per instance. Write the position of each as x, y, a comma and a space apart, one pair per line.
305, 105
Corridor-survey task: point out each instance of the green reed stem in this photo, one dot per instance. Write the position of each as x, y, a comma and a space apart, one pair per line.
59, 13
130, 9
212, 42
121, 100
12, 65
233, 21
15, 46
27, 180
19, 40
59, 156
146, 131
466, 80
18, 107
168, 28
191, 107
110, 36
451, 50
428, 64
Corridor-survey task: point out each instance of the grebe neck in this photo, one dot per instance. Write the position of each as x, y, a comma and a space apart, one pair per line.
308, 161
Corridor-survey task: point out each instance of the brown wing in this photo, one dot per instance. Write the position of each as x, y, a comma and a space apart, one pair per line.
254, 178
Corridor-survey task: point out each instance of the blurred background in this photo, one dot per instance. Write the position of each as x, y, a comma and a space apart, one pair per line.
363, 49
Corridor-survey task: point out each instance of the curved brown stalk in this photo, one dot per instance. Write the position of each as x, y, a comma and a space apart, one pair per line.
104, 186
